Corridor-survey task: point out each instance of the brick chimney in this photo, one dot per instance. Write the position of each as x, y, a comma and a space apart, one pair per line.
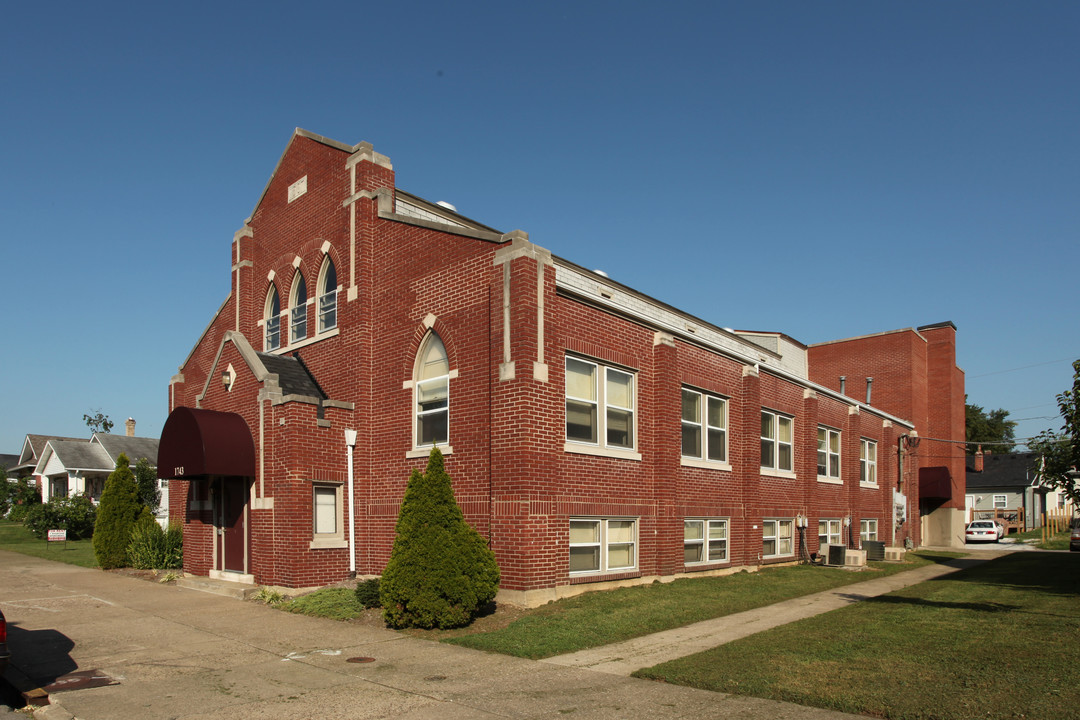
979, 459
130, 425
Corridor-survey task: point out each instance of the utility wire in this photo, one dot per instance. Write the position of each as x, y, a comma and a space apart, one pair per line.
1025, 367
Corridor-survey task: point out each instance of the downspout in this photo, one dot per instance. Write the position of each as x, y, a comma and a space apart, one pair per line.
350, 442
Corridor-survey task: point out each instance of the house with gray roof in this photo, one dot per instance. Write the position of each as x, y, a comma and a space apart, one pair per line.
1006, 487
68, 467
31, 451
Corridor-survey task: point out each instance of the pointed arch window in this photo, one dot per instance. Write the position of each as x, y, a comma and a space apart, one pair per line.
298, 309
327, 296
432, 408
273, 319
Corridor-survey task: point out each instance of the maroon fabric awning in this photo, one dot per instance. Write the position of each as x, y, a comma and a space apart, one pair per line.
197, 444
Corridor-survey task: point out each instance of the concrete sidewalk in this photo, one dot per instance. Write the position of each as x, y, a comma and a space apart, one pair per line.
184, 654
626, 657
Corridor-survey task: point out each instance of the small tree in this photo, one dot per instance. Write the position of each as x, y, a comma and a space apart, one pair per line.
147, 481
98, 422
117, 512
441, 571
1059, 452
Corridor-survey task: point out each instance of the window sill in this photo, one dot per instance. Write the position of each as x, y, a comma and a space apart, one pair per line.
710, 565
328, 544
868, 486
332, 332
424, 452
829, 480
601, 576
705, 464
601, 451
768, 472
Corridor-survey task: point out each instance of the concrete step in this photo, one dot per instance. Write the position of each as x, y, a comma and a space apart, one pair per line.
238, 590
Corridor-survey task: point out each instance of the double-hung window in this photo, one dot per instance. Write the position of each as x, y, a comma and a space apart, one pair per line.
828, 453
705, 541
704, 426
776, 435
829, 532
273, 320
298, 310
599, 405
777, 538
868, 529
328, 296
327, 527
867, 461
1001, 502
602, 545
432, 394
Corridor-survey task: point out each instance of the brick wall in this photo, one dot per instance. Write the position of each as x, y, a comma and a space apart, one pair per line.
507, 330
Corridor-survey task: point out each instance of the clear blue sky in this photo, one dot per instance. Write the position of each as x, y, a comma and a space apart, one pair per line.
824, 169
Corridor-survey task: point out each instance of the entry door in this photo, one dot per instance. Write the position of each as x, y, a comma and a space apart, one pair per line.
232, 530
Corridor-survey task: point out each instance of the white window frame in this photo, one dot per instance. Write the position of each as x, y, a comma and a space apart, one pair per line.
327, 539
1002, 503
298, 310
709, 548
603, 545
832, 533
600, 408
825, 438
774, 442
419, 383
778, 537
272, 320
868, 462
709, 437
868, 530
327, 308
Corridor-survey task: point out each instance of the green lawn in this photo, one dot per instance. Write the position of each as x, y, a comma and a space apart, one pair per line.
1057, 541
601, 618
996, 641
14, 537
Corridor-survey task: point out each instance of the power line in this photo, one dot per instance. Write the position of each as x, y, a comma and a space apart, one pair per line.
1025, 367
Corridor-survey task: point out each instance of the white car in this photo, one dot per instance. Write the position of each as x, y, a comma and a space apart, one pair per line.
982, 530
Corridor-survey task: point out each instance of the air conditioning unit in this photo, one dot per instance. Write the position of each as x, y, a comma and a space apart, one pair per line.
855, 558
832, 554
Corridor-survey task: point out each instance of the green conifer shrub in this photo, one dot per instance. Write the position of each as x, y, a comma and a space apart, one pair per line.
367, 593
146, 551
441, 571
117, 511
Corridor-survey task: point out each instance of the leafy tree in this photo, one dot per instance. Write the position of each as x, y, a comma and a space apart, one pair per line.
22, 496
992, 429
147, 481
1059, 452
117, 511
441, 571
98, 422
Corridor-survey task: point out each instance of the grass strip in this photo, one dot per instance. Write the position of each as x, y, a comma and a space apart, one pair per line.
16, 538
994, 641
602, 618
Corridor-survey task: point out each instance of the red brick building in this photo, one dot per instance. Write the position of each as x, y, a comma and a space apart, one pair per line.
594, 435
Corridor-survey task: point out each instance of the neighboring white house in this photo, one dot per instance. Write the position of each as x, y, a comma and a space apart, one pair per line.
66, 467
